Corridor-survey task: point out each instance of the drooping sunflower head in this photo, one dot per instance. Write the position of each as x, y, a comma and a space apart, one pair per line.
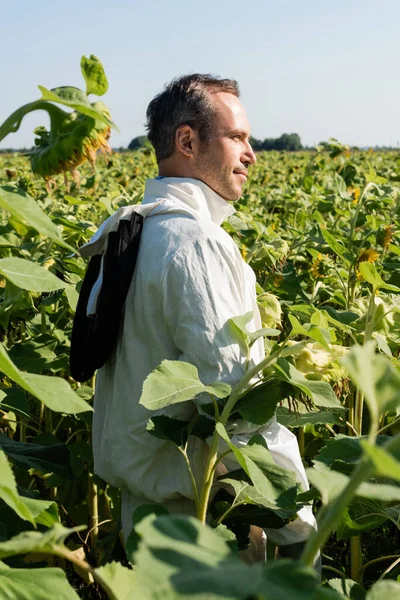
77, 140
73, 137
384, 236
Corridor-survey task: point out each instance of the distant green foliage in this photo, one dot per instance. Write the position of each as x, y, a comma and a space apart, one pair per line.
287, 141
141, 141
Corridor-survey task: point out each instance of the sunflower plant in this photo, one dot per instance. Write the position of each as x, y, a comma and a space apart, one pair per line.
73, 137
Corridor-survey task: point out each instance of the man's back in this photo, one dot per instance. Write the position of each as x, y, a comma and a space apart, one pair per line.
189, 280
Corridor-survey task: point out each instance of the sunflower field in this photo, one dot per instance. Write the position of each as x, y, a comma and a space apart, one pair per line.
321, 229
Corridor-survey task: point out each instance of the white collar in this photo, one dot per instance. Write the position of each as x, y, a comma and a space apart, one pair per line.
197, 197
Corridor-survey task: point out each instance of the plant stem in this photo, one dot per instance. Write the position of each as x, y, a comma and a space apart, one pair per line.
388, 426
191, 475
358, 412
375, 560
361, 198
351, 414
94, 515
300, 439
43, 318
356, 558
331, 431
390, 567
48, 420
208, 479
221, 458
85, 566
334, 571
212, 458
229, 510
352, 430
247, 377
111, 517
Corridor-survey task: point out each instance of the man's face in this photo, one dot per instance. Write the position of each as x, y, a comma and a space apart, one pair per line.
223, 160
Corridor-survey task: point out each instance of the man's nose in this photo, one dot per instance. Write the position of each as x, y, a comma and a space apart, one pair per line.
250, 155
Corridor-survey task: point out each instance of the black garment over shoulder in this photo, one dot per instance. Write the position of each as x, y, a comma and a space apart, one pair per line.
93, 337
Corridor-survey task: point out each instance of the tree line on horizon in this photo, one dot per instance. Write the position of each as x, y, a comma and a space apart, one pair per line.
288, 142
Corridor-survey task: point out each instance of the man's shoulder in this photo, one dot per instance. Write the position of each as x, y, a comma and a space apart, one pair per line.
178, 231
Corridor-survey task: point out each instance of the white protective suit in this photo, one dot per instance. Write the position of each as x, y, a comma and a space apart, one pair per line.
189, 280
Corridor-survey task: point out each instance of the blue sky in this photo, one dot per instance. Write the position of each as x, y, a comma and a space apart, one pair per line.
320, 69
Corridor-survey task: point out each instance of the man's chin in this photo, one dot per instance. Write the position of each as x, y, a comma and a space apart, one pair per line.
232, 195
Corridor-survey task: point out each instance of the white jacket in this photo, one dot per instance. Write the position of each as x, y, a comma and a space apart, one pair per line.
189, 280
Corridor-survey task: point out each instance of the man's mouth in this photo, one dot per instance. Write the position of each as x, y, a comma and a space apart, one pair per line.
242, 174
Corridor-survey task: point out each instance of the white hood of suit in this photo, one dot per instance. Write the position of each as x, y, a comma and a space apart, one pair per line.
168, 195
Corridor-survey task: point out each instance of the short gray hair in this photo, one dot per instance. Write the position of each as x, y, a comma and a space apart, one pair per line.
184, 101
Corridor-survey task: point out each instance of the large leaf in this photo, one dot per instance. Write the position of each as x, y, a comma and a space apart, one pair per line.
289, 579
35, 584
29, 275
175, 381
303, 417
348, 588
46, 459
54, 392
361, 515
45, 512
320, 392
375, 377
74, 98
260, 402
281, 499
140, 513
331, 484
120, 581
385, 464
94, 75
35, 355
25, 209
35, 541
179, 555
343, 452
319, 334
276, 487
384, 589
335, 245
370, 274
176, 431
239, 331
9, 493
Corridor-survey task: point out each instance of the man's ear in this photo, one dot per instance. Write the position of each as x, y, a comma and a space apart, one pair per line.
184, 139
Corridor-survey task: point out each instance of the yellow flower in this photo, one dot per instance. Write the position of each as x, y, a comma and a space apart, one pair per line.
355, 193
318, 267
368, 255
278, 280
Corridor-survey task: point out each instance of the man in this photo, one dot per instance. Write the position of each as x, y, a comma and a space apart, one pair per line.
189, 280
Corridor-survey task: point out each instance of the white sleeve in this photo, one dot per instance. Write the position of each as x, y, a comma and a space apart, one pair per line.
203, 287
